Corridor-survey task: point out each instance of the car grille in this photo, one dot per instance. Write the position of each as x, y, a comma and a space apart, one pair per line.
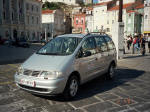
33, 88
31, 72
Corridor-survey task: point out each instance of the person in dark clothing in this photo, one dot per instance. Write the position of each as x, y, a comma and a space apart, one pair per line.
148, 40
142, 45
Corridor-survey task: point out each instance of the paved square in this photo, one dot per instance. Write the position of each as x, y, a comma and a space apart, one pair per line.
129, 91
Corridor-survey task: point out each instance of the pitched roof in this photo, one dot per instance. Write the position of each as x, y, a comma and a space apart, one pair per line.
103, 3
117, 7
130, 11
89, 8
139, 6
47, 11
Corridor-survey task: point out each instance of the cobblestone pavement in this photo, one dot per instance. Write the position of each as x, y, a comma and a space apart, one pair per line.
128, 92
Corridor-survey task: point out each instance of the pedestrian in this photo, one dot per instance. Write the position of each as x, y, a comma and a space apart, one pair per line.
148, 40
142, 45
136, 43
128, 42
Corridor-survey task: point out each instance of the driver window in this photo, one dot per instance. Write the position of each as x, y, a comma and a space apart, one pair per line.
88, 46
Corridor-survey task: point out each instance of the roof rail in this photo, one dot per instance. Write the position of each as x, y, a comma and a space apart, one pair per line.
100, 33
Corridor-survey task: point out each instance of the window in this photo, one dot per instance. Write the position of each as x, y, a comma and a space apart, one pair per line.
37, 20
110, 43
107, 21
12, 16
32, 7
82, 21
80, 29
4, 4
112, 21
60, 46
48, 26
4, 15
37, 9
76, 21
32, 20
108, 29
89, 45
27, 6
28, 19
101, 44
145, 16
19, 4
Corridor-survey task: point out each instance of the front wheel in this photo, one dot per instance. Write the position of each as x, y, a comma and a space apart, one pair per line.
71, 88
111, 71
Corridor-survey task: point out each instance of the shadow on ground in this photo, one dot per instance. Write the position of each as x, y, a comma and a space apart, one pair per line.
12, 62
138, 55
100, 84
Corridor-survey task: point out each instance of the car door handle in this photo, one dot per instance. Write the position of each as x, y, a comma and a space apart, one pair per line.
93, 59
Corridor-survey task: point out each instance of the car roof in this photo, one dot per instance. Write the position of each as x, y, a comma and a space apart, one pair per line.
81, 35
73, 35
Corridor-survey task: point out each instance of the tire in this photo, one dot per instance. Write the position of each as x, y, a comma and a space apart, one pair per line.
111, 71
71, 88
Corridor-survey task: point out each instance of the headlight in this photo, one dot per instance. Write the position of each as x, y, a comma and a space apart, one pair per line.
51, 75
20, 71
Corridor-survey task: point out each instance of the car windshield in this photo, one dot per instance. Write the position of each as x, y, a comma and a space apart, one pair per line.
60, 46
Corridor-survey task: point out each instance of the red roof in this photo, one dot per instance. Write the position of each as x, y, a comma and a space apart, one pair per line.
47, 11
103, 3
89, 8
139, 6
130, 11
117, 7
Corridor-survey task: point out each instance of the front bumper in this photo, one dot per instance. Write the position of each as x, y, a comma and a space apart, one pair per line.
42, 86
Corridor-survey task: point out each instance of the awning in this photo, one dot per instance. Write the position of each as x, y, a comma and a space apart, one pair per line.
146, 31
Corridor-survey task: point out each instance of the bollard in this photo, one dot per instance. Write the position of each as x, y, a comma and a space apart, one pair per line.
132, 48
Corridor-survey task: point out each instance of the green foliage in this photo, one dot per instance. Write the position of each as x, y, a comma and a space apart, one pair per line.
53, 5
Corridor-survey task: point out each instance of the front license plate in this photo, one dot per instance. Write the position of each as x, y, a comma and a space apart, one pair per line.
27, 82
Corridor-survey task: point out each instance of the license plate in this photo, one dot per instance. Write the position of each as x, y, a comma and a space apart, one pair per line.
27, 82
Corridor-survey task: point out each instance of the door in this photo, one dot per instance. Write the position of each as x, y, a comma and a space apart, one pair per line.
111, 49
102, 54
86, 59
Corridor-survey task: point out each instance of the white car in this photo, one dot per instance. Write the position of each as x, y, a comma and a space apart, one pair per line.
65, 63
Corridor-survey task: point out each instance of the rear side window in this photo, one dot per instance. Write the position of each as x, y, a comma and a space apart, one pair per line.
101, 44
110, 43
89, 45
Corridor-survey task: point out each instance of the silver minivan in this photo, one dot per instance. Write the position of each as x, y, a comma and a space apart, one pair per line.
66, 62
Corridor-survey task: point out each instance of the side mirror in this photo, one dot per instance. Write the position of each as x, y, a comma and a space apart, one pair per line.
87, 53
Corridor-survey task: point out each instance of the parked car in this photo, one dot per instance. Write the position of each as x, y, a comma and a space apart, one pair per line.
65, 63
2, 41
23, 43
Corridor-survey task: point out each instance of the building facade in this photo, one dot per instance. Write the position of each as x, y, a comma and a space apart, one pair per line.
147, 17
89, 19
16, 19
33, 26
69, 2
52, 23
100, 17
79, 23
133, 17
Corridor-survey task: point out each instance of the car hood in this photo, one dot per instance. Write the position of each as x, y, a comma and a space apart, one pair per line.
46, 62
